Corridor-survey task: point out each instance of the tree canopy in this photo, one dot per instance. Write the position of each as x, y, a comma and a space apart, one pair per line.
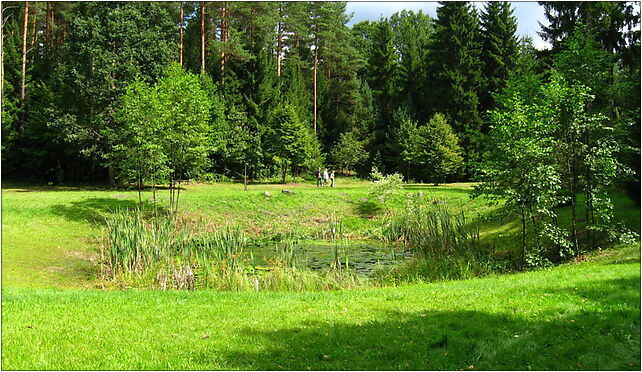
283, 87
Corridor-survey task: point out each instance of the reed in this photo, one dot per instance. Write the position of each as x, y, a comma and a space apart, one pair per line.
432, 228
170, 252
435, 268
177, 249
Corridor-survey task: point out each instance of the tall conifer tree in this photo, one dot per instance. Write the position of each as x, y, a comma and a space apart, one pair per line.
383, 66
455, 70
499, 49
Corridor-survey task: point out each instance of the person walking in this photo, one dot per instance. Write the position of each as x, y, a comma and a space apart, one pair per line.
319, 177
325, 176
332, 178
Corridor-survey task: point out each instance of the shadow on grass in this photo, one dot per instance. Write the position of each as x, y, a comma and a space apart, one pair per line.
367, 209
59, 188
93, 210
439, 188
15, 187
604, 336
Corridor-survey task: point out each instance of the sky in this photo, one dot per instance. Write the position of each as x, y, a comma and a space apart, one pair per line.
527, 13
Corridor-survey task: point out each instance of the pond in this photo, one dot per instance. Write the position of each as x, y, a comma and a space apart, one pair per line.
361, 256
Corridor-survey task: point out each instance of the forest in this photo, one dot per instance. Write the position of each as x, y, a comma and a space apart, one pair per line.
278, 89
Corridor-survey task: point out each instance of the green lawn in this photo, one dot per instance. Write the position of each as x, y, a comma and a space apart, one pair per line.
584, 316
576, 316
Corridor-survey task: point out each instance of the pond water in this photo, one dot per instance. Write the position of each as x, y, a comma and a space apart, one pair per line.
362, 256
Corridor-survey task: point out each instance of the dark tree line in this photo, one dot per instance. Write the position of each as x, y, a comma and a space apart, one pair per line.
290, 85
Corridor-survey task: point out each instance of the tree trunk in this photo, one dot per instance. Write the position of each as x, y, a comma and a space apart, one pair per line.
59, 171
154, 191
245, 177
178, 195
111, 173
251, 25
535, 226
588, 208
556, 226
23, 73
24, 53
2, 55
224, 36
523, 237
180, 44
169, 189
52, 22
64, 34
48, 25
279, 41
34, 31
202, 37
574, 214
283, 170
315, 88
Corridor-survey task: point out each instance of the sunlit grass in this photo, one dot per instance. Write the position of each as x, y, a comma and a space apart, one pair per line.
577, 316
49, 233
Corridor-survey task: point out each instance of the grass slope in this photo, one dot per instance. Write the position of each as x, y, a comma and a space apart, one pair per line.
49, 233
582, 316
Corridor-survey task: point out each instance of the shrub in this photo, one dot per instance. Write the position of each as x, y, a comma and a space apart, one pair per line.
385, 186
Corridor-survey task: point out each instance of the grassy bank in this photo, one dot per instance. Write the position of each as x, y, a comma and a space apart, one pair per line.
581, 316
50, 233
575, 316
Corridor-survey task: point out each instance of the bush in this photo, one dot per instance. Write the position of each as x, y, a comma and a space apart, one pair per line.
213, 178
385, 186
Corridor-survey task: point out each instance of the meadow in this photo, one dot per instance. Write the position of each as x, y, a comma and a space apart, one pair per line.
56, 314
50, 234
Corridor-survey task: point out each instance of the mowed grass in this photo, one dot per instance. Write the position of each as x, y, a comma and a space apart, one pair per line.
576, 316
51, 234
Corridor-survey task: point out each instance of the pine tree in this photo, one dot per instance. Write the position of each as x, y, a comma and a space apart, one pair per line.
613, 22
412, 32
404, 138
362, 36
296, 29
292, 142
499, 49
382, 81
455, 70
294, 88
365, 113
